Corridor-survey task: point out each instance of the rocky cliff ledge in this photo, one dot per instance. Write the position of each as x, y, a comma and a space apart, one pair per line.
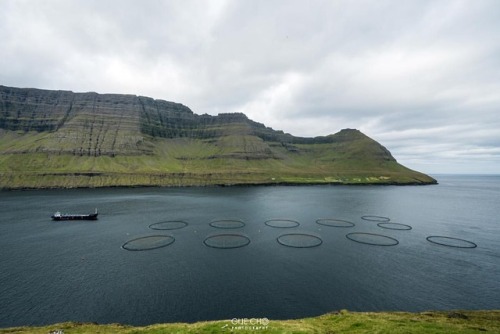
65, 139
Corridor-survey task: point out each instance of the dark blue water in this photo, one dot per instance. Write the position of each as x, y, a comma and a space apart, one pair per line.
77, 271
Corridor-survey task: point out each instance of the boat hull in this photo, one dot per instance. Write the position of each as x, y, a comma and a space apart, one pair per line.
75, 217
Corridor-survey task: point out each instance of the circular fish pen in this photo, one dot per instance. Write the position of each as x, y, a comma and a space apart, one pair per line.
168, 225
395, 226
335, 222
299, 240
379, 219
372, 239
451, 242
227, 223
282, 223
148, 243
226, 241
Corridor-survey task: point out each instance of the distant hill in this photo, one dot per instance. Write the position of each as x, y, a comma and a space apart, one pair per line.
65, 139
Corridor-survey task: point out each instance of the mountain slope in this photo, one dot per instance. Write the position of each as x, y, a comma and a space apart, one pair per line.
66, 139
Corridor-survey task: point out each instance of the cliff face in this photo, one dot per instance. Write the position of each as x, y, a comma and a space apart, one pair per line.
95, 123
81, 123
63, 124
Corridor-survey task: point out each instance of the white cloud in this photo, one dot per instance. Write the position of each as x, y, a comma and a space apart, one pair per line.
421, 77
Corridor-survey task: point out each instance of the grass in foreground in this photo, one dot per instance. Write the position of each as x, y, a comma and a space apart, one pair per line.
339, 322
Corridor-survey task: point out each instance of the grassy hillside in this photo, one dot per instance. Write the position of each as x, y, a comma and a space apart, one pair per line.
189, 162
341, 322
65, 139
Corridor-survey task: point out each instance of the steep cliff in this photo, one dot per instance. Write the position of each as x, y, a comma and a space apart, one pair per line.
66, 139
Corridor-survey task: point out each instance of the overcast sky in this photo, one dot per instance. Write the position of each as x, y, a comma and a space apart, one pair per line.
421, 77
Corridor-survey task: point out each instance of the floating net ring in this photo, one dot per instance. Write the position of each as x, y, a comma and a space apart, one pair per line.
148, 243
372, 239
299, 240
168, 225
395, 226
282, 223
335, 222
451, 242
226, 241
376, 219
227, 223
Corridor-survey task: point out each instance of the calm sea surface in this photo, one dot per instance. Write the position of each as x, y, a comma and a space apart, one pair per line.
78, 271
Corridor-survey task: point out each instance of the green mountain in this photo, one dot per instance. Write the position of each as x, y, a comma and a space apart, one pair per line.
65, 139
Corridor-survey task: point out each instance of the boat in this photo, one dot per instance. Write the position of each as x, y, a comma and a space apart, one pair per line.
60, 216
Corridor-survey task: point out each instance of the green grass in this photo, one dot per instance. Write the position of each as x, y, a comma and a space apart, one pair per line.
339, 322
33, 160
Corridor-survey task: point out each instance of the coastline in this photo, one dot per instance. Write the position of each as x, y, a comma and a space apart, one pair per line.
119, 180
225, 185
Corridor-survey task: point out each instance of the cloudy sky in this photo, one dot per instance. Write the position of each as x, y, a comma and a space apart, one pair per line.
421, 77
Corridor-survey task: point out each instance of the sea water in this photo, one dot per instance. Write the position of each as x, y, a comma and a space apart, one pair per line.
79, 270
